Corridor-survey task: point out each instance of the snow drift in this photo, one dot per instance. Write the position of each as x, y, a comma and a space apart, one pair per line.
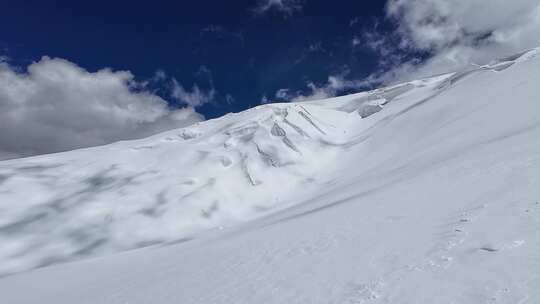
423, 192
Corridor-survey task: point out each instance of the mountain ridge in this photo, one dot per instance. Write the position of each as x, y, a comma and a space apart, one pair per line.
372, 194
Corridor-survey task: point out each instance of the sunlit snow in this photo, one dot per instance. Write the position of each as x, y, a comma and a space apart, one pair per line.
423, 192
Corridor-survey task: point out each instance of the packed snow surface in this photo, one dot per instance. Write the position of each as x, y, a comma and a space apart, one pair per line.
423, 192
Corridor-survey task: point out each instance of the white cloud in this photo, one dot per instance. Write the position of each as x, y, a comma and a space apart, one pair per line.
56, 105
265, 100
283, 94
205, 72
333, 86
229, 99
194, 98
316, 92
453, 34
285, 7
197, 96
438, 24
353, 21
159, 75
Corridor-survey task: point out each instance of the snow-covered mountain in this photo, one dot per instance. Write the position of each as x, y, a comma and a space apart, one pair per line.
423, 192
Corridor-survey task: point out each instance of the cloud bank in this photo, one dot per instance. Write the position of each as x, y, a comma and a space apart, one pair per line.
448, 35
197, 96
194, 98
56, 105
333, 86
420, 38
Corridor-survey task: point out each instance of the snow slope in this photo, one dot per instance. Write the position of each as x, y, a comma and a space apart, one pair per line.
425, 192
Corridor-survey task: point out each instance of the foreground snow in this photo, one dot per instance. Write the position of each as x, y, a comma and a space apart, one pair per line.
426, 192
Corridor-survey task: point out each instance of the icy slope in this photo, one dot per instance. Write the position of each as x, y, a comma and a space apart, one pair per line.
167, 188
162, 189
426, 192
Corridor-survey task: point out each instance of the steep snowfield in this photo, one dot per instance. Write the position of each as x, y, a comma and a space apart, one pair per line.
425, 192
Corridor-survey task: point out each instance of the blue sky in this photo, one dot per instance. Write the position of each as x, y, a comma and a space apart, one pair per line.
76, 74
244, 50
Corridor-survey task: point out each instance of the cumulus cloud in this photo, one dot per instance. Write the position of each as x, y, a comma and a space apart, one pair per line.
265, 100
55, 105
229, 99
315, 92
194, 98
448, 35
333, 86
159, 76
282, 94
438, 24
285, 7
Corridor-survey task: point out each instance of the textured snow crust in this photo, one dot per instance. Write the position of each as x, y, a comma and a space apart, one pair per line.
424, 192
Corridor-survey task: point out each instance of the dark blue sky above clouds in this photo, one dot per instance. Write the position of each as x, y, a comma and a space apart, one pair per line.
236, 51
83, 73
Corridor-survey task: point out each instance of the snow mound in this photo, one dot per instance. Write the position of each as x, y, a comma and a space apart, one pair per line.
357, 199
166, 188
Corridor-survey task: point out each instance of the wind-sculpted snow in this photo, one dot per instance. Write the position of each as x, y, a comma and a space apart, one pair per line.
423, 192
133, 194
